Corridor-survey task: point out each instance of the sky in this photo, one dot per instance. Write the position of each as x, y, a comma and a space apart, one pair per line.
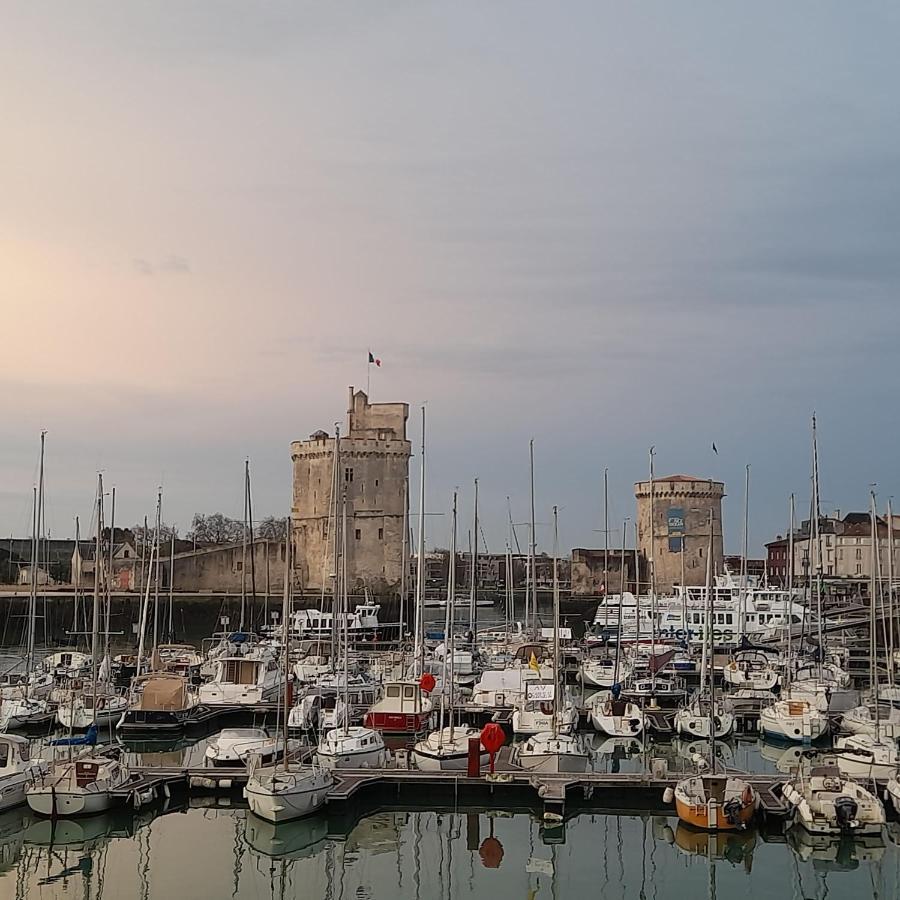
602, 226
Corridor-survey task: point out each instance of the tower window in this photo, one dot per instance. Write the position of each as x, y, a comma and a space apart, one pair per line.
380, 534
348, 475
358, 534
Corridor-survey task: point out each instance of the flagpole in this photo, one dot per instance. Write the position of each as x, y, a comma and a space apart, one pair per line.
368, 371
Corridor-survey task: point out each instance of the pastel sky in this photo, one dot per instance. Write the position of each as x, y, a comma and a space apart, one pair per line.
602, 225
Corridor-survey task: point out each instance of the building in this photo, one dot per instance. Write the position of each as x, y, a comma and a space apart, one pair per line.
680, 507
373, 477
54, 559
845, 550
593, 576
126, 564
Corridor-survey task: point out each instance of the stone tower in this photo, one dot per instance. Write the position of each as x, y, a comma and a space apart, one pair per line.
681, 507
374, 474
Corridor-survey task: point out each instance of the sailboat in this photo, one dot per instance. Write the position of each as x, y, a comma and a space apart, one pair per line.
708, 800
447, 748
553, 751
870, 756
89, 782
706, 716
348, 746
27, 708
286, 790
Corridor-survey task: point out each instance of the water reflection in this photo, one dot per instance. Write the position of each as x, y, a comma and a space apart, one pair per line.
226, 852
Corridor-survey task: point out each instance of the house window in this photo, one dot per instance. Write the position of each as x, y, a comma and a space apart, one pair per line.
358, 534
858, 569
240, 565
126, 554
859, 554
376, 482
380, 534
348, 475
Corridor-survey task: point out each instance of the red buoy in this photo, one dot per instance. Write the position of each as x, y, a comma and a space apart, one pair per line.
427, 682
492, 739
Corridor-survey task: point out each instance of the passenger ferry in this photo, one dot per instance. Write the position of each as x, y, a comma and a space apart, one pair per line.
362, 623
682, 616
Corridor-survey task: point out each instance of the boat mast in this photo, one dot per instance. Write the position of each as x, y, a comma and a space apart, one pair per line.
156, 573
742, 609
449, 622
252, 612
244, 550
818, 544
556, 687
336, 545
652, 578
533, 549
873, 590
345, 613
419, 643
890, 598
621, 601
171, 628
790, 598
98, 574
285, 644
473, 587
711, 669
606, 548
109, 579
76, 576
35, 555
404, 559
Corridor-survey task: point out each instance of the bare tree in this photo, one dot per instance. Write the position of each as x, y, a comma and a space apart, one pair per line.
273, 528
215, 528
140, 536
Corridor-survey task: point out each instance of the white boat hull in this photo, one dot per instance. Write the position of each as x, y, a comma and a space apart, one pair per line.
47, 802
363, 759
288, 796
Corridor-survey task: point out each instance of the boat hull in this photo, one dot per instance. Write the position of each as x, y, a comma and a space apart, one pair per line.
292, 798
555, 763
48, 802
703, 817
397, 723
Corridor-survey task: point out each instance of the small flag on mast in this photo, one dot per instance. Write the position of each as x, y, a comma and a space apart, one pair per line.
372, 359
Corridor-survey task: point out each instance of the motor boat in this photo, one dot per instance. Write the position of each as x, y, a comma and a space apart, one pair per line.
714, 802
863, 720
65, 665
162, 702
19, 685
242, 680
826, 802
404, 708
447, 749
696, 719
552, 753
351, 747
792, 720
866, 757
280, 793
18, 771
232, 746
179, 659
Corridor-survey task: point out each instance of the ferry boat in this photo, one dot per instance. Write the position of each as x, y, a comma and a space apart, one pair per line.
362, 623
682, 616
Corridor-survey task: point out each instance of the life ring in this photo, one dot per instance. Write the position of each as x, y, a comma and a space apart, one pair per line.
546, 707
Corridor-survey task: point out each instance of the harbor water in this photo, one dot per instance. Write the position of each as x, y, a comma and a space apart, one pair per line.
226, 852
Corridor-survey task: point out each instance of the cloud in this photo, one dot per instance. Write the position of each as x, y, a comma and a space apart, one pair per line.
171, 265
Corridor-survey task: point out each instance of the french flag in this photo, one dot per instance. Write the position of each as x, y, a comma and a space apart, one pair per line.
372, 359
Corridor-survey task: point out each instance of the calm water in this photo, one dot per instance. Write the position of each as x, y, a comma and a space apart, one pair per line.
216, 853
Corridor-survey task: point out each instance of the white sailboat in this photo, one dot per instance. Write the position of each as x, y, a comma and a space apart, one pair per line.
286, 790
346, 746
88, 782
553, 751
447, 748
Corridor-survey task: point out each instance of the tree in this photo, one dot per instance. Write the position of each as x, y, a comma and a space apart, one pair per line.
215, 528
142, 536
273, 528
